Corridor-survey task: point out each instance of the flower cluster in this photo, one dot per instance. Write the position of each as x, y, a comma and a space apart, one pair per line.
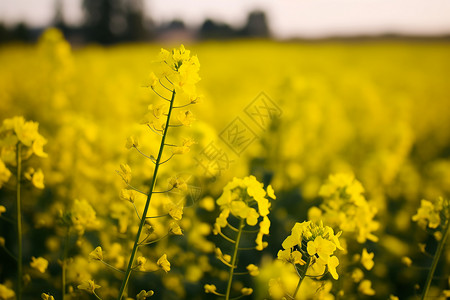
246, 199
429, 213
180, 68
312, 245
346, 207
17, 130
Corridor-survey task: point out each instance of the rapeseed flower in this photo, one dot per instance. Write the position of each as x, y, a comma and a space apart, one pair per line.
89, 286
163, 263
312, 245
6, 293
5, 174
39, 264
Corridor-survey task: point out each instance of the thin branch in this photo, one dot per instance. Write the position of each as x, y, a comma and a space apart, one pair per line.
225, 237
145, 155
154, 130
9, 253
154, 241
159, 94
160, 82
169, 80
181, 106
167, 159
112, 267
162, 192
155, 217
241, 273
137, 213
8, 219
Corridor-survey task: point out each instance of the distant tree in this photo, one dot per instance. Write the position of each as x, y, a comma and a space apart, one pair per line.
136, 30
21, 32
111, 21
99, 16
256, 25
58, 18
212, 30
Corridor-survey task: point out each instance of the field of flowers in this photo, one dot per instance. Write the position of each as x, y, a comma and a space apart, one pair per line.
225, 170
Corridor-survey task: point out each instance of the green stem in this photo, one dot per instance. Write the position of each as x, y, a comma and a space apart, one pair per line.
64, 266
434, 264
147, 203
233, 261
302, 276
96, 296
19, 222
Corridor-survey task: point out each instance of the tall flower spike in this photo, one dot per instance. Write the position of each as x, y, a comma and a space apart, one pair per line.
176, 78
243, 200
310, 249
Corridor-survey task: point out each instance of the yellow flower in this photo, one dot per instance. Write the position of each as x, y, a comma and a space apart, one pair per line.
163, 263
210, 288
38, 146
26, 131
333, 262
89, 286
2, 209
246, 291
253, 270
45, 296
2, 241
141, 261
38, 179
225, 258
365, 287
406, 261
392, 297
357, 275
5, 174
39, 264
187, 143
428, 214
174, 228
125, 172
176, 182
143, 295
175, 211
346, 207
367, 259
276, 290
322, 247
186, 117
153, 79
83, 216
264, 227
96, 254
127, 195
271, 192
131, 142
6, 293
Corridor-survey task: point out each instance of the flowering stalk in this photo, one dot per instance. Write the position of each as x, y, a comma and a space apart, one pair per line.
147, 203
434, 264
301, 277
233, 260
311, 246
247, 201
64, 263
19, 221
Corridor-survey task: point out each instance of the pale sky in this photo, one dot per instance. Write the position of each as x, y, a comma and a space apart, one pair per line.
287, 18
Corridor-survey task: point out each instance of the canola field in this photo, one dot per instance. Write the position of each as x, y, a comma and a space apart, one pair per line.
225, 170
